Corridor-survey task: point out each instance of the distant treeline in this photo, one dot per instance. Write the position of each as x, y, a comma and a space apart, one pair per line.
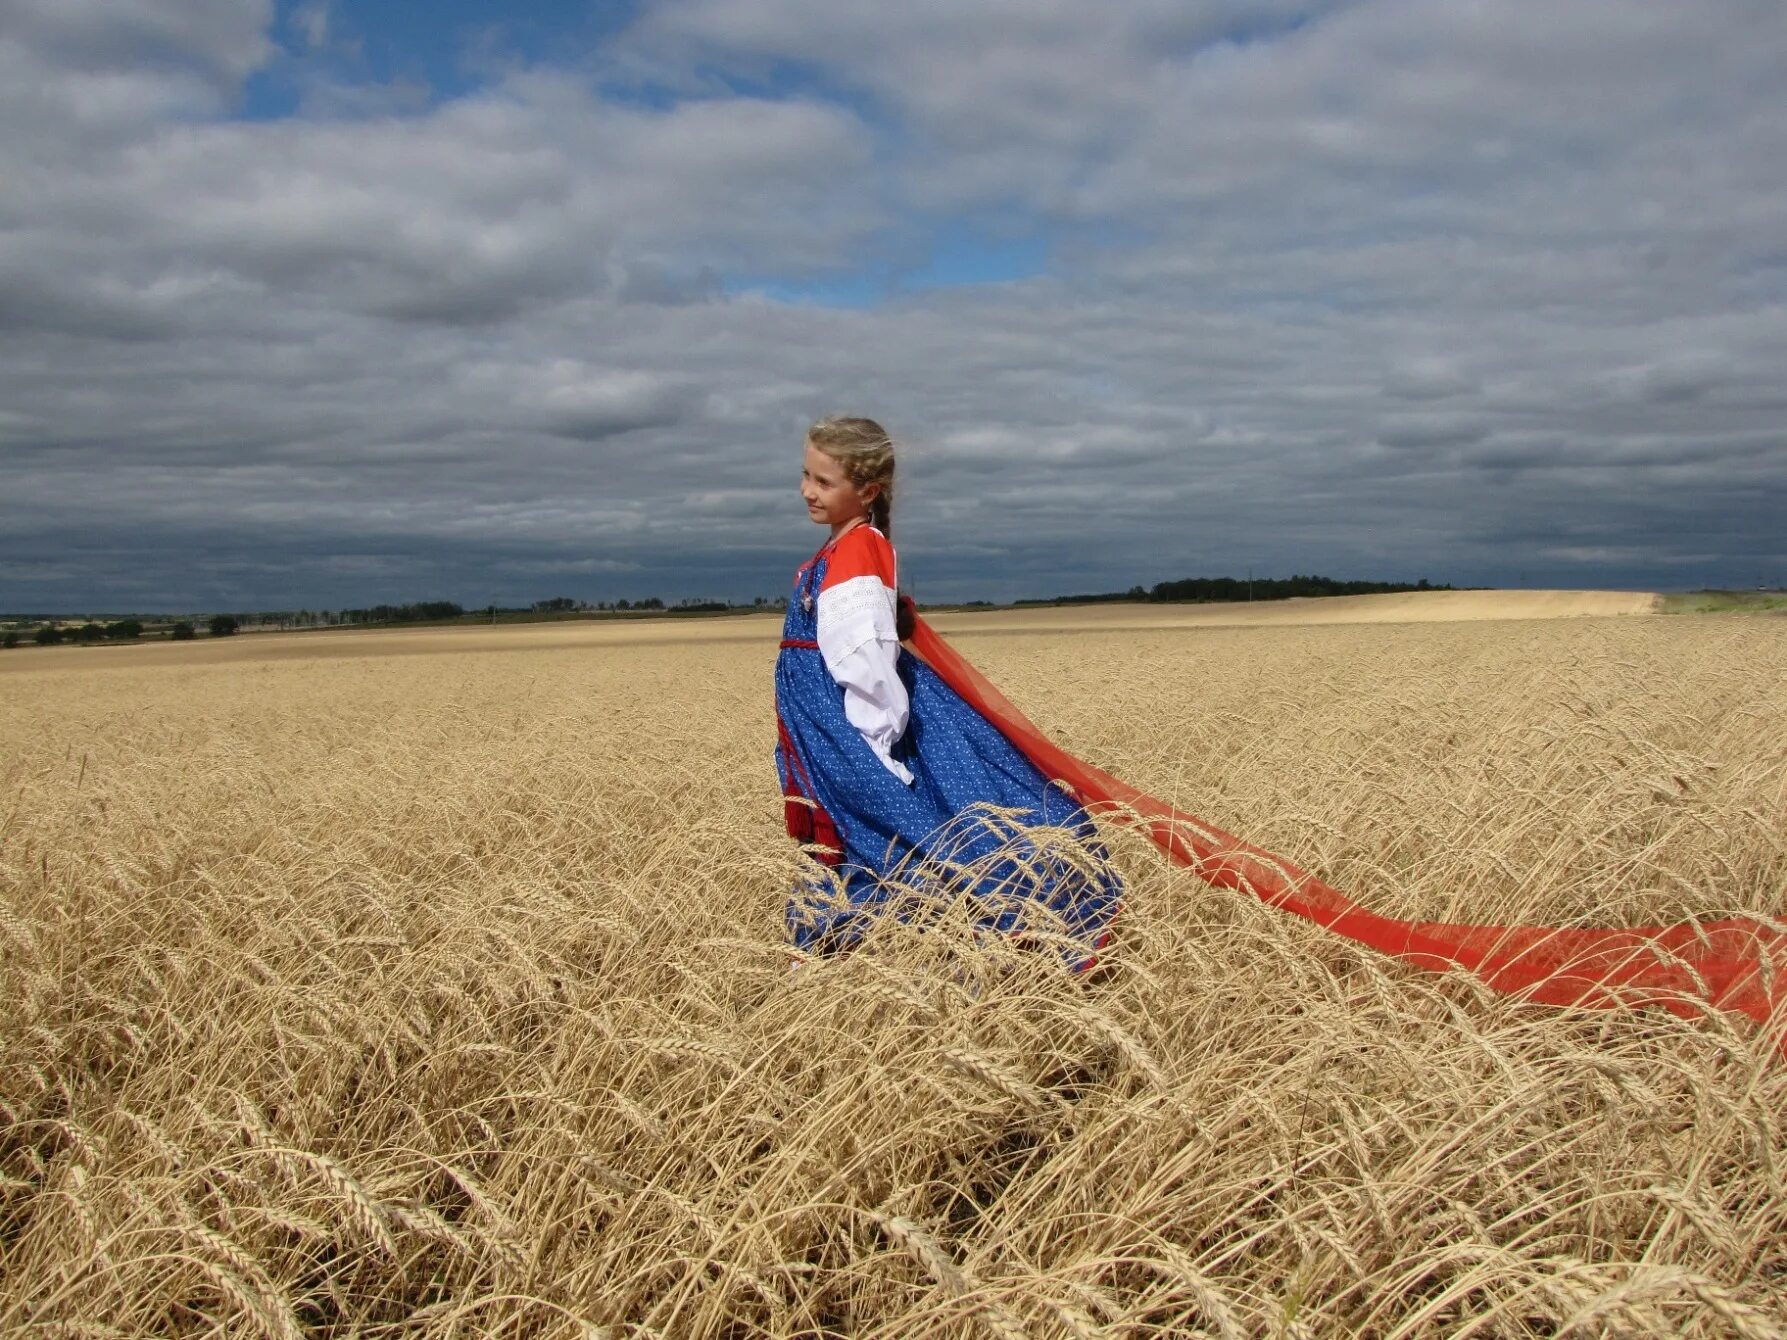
420, 610
53, 633
1279, 588
51, 630
1200, 590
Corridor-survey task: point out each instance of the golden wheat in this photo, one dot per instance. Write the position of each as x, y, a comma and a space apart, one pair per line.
434, 985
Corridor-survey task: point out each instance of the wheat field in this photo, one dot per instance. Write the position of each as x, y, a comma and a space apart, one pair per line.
433, 984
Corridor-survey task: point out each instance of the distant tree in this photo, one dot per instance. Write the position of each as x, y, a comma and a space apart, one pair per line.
557, 605
223, 625
91, 632
47, 636
426, 609
124, 629
10, 640
184, 631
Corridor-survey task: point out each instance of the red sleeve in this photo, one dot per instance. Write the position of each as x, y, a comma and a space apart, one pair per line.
864, 552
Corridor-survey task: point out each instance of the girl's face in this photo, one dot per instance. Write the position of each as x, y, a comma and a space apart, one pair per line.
831, 498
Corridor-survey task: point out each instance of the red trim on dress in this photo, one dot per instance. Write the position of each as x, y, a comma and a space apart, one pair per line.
803, 816
871, 556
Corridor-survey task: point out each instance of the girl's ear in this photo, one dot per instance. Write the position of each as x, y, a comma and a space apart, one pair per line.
869, 492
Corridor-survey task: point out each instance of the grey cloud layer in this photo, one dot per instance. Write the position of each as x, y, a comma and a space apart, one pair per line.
1478, 292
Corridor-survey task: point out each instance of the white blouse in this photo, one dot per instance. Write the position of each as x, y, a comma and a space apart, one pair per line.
860, 644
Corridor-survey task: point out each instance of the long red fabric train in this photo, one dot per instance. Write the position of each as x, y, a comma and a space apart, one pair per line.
1737, 964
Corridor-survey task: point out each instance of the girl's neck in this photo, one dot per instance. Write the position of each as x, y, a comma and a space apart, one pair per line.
845, 527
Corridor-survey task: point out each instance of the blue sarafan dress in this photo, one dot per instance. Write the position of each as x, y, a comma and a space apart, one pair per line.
887, 770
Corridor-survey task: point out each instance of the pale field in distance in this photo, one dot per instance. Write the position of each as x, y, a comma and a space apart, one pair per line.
432, 984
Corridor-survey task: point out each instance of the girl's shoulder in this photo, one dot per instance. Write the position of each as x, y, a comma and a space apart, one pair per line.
862, 551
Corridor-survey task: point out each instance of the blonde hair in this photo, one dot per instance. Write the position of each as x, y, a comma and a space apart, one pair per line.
866, 452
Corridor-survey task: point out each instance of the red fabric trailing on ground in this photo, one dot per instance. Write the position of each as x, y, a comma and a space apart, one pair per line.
1736, 964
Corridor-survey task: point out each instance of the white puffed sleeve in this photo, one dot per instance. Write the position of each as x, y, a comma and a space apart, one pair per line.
858, 640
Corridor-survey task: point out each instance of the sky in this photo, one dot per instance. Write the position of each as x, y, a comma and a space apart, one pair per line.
342, 302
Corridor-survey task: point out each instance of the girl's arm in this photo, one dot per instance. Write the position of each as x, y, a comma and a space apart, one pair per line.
858, 640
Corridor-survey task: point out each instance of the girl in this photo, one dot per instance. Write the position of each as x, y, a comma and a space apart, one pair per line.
882, 753
881, 761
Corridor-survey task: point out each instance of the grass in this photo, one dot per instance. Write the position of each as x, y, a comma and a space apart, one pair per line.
1723, 602
443, 993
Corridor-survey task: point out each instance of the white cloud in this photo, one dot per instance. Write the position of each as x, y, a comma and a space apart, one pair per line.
226, 38
1427, 379
311, 21
1399, 289
532, 194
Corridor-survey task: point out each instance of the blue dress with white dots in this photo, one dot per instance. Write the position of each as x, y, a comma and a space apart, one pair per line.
862, 822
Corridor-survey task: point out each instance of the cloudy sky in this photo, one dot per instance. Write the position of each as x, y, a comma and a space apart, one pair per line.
328, 303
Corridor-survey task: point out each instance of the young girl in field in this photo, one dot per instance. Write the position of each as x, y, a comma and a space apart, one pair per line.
883, 764
889, 761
